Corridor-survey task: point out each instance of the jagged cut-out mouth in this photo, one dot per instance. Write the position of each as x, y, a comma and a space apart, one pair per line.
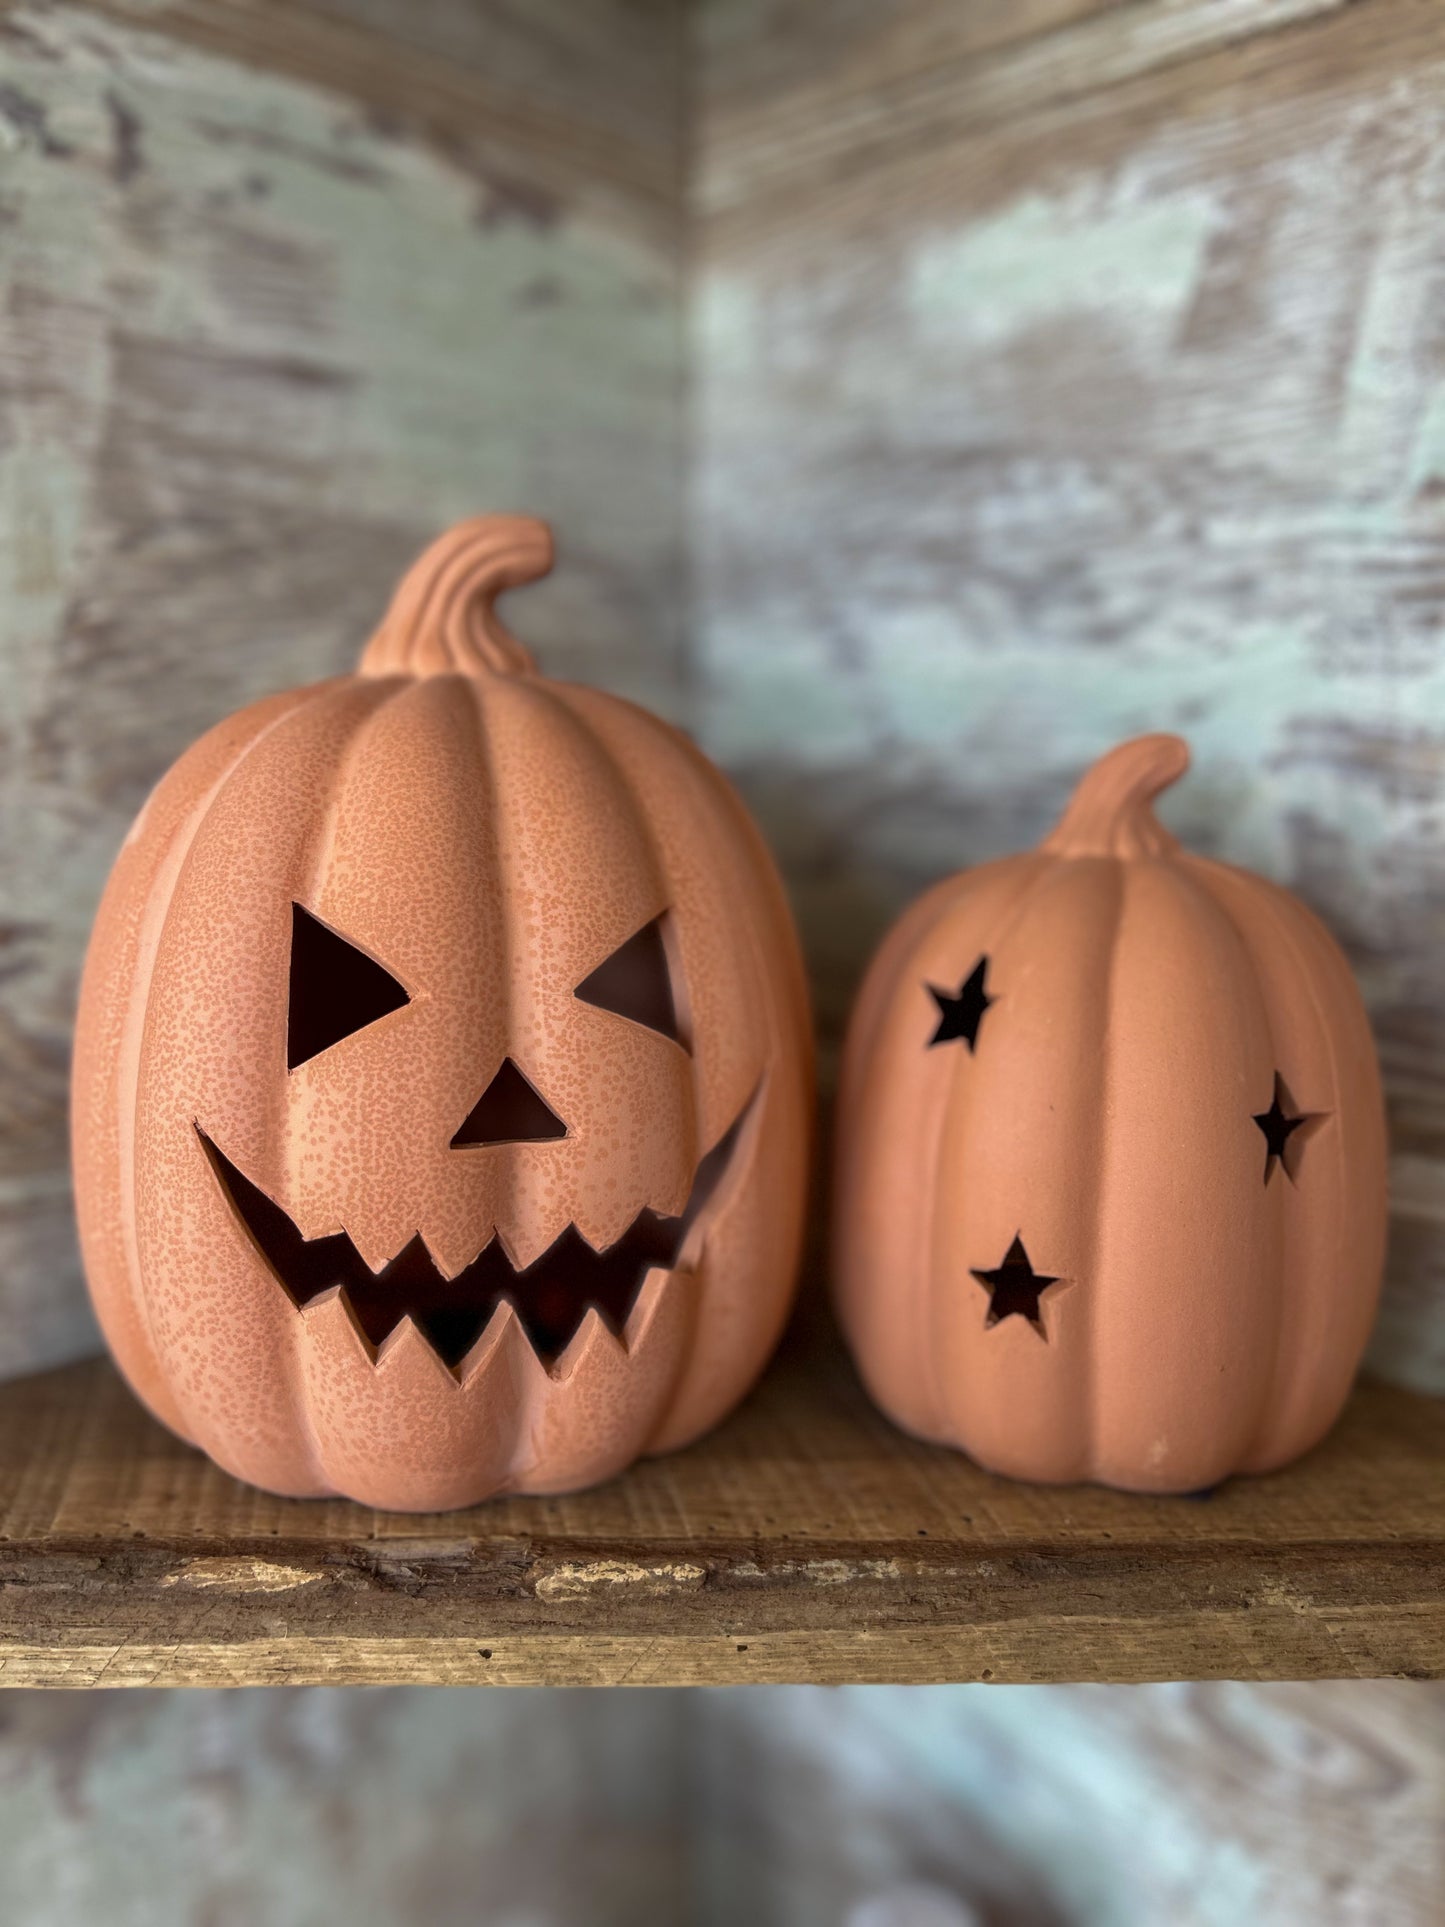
551, 1296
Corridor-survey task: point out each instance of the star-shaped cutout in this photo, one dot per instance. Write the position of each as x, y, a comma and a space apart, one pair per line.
1014, 1289
961, 1016
1278, 1127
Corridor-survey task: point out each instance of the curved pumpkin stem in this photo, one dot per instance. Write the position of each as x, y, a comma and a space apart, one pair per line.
1110, 812
442, 621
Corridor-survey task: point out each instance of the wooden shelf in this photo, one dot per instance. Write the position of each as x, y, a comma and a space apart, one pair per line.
805, 1540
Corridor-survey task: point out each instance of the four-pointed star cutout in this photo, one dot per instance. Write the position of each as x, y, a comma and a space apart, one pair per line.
961, 1016
1014, 1288
1278, 1126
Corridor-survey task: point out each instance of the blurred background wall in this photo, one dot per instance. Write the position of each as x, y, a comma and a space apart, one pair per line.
1213, 1805
969, 1806
926, 394
310, 1808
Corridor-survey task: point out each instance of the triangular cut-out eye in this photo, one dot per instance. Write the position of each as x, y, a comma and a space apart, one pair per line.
335, 989
635, 982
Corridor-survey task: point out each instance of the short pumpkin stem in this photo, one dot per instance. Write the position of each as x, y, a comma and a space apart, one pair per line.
442, 621
1110, 812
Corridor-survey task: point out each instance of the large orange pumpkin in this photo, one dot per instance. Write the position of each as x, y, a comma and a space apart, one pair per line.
1111, 1187
442, 1075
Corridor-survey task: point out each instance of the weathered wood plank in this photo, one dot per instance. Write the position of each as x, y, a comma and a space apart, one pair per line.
555, 110
1081, 384
806, 1539
284, 290
825, 101
495, 1654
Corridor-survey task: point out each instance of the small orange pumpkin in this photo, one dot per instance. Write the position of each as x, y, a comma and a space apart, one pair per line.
1111, 1184
442, 1074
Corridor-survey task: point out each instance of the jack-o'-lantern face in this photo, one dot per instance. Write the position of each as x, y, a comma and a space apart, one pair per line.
452, 1136
336, 993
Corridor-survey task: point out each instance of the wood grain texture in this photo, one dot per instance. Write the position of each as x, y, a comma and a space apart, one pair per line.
806, 1540
556, 111
284, 290
1064, 372
1206, 1805
294, 1808
1203, 1806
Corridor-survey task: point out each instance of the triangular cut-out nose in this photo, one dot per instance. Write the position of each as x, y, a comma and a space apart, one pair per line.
509, 1111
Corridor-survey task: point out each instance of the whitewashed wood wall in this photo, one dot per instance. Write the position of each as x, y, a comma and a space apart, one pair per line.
1031, 371
971, 1806
384, 1808
1215, 1805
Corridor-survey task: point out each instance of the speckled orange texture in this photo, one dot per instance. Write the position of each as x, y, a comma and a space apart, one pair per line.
1206, 1322
490, 837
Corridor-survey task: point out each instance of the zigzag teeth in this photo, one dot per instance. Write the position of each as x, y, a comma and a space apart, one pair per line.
407, 1344
447, 1275
644, 1306
404, 1329
564, 1309
504, 1327
592, 1336
503, 1332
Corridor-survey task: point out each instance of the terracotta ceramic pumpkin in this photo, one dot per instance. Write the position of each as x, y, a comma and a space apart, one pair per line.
442, 1076
1111, 1188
